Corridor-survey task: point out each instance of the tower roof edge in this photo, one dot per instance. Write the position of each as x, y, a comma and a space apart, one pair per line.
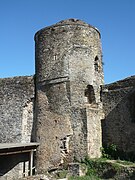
72, 22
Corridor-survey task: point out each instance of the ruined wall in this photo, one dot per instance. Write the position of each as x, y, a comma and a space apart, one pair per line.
113, 93
118, 125
63, 108
16, 122
16, 109
68, 78
66, 102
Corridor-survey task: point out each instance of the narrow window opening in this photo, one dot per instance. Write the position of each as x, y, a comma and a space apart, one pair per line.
96, 63
89, 93
96, 58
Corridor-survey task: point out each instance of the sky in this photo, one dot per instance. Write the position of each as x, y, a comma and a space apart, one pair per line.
21, 19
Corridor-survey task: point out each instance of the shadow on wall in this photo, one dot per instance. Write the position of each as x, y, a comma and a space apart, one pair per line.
33, 130
8, 162
118, 128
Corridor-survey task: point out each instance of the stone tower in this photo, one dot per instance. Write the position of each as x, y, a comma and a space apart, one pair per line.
68, 107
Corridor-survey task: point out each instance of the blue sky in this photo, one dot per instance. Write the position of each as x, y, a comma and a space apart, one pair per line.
20, 19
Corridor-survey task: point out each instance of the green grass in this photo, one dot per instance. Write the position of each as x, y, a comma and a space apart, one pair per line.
99, 168
91, 177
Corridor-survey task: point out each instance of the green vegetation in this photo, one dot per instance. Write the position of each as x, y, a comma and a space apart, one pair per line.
112, 152
109, 152
108, 166
61, 174
91, 177
105, 167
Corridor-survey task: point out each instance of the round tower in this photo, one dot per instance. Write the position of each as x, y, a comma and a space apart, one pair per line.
68, 78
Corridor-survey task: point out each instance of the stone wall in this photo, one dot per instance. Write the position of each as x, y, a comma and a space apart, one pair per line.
94, 131
16, 121
113, 93
119, 123
63, 108
16, 109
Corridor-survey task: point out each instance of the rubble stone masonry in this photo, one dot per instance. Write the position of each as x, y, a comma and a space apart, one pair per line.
65, 106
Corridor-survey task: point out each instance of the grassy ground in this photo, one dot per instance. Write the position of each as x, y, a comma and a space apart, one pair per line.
107, 169
92, 177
